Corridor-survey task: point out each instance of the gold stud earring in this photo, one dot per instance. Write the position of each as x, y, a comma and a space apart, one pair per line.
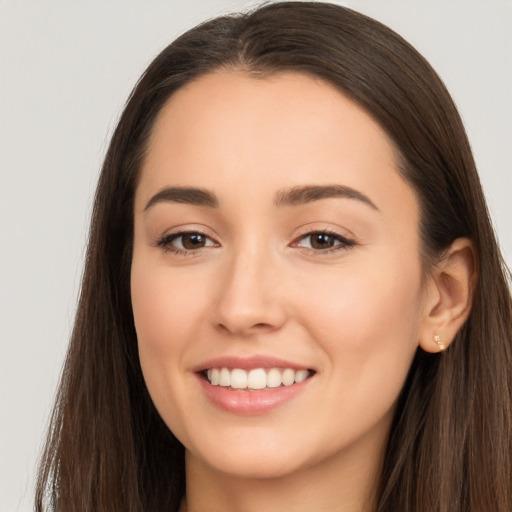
438, 341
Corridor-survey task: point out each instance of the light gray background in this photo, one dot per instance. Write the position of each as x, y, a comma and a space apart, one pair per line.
66, 69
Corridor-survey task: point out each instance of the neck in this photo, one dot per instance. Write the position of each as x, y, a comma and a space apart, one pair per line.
346, 482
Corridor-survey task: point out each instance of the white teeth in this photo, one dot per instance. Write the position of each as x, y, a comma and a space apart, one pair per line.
301, 375
238, 379
225, 377
288, 377
258, 378
274, 378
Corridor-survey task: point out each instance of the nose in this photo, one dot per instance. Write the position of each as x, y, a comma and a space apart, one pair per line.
250, 300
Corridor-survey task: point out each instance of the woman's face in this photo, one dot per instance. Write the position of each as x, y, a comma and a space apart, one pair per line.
274, 241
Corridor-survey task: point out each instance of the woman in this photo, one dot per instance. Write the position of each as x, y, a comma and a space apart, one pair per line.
293, 297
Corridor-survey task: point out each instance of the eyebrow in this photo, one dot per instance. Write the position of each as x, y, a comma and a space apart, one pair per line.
309, 193
292, 197
185, 195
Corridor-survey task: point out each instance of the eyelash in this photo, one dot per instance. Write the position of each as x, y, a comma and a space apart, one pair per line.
166, 243
342, 243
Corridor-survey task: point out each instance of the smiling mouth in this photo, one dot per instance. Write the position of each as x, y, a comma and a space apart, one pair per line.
256, 379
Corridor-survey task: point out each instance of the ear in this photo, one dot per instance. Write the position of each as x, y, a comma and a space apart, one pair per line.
449, 296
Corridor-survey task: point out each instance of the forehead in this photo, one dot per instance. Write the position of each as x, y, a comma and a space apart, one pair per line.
290, 104
282, 130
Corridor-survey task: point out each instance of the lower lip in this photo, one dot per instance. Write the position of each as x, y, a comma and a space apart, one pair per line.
251, 402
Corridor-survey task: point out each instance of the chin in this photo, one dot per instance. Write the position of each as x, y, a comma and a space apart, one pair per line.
252, 460
256, 468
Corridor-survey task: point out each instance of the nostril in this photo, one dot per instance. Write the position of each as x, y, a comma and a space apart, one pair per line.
245, 329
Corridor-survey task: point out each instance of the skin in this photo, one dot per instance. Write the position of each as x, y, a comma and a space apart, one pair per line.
354, 314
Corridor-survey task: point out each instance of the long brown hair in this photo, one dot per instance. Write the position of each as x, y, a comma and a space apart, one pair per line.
450, 445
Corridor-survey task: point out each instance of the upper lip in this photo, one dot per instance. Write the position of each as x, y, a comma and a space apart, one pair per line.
249, 363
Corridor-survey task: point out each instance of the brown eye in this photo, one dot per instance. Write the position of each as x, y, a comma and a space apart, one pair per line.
324, 241
192, 240
185, 242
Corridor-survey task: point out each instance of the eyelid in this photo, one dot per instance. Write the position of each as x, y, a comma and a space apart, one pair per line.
164, 241
180, 229
176, 236
324, 227
340, 237
346, 242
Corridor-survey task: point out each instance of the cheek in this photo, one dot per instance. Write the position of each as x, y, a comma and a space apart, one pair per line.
164, 303
166, 319
167, 314
154, 311
362, 299
367, 322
